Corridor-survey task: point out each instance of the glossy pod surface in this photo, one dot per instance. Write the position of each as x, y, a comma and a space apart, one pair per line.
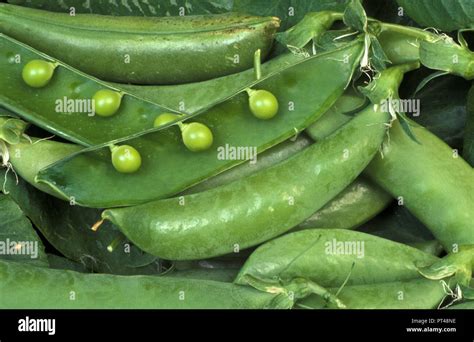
429, 176
329, 256
168, 167
25, 286
252, 210
144, 50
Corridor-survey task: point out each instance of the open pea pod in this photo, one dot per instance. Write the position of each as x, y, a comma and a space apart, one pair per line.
50, 107
305, 90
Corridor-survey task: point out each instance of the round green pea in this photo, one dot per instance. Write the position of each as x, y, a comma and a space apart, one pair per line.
126, 159
263, 104
107, 102
197, 137
37, 73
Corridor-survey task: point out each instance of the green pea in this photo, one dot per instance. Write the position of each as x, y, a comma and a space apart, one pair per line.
164, 118
107, 102
196, 136
126, 159
37, 73
263, 104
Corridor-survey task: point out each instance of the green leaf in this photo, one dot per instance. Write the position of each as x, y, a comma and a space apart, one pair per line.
355, 17
378, 57
427, 79
445, 15
406, 126
18, 240
62, 263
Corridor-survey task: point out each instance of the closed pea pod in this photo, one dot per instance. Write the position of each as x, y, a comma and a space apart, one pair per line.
330, 257
24, 287
429, 193
144, 50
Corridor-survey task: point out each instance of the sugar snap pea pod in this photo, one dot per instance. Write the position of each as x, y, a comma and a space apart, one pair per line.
252, 210
23, 287
429, 175
330, 257
168, 167
410, 294
144, 50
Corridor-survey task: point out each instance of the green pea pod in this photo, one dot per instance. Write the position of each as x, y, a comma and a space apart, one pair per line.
330, 257
144, 50
26, 287
428, 176
410, 294
255, 209
168, 167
